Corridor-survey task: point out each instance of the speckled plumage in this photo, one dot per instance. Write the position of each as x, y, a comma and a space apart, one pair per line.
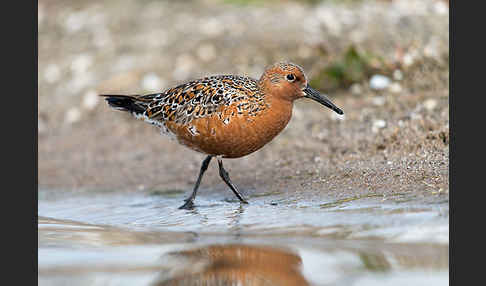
227, 116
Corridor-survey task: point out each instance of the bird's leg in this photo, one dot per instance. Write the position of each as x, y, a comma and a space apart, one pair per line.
190, 200
224, 175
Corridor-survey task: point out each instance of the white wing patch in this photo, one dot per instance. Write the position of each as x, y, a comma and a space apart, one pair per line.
163, 129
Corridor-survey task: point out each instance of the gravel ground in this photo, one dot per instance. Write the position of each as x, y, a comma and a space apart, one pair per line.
394, 137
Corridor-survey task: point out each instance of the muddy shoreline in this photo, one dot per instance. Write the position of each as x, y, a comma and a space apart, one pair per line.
391, 140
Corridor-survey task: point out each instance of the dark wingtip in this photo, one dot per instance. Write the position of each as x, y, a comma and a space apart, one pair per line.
123, 102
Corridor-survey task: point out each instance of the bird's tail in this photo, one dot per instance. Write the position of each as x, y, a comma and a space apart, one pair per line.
130, 103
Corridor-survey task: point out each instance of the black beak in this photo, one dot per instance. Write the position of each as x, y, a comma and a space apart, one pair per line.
321, 98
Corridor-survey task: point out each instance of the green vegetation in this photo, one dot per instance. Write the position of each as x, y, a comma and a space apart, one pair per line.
352, 67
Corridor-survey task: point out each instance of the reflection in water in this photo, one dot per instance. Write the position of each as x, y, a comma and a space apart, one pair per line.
234, 219
231, 219
120, 239
234, 264
55, 232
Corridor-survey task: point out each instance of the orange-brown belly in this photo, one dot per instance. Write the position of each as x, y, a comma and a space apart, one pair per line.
233, 138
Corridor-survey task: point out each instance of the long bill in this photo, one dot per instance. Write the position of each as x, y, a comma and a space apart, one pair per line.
321, 98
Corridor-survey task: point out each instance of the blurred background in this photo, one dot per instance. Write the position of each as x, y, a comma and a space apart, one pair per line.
360, 199
384, 62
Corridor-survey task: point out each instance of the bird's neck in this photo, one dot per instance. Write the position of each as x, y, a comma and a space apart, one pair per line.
279, 113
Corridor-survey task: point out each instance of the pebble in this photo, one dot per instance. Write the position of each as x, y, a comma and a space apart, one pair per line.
151, 82
90, 100
430, 104
441, 8
81, 63
397, 75
395, 88
356, 89
75, 21
379, 82
378, 100
52, 73
79, 82
72, 115
409, 58
377, 125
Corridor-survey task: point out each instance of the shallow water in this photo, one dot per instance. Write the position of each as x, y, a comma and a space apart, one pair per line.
143, 239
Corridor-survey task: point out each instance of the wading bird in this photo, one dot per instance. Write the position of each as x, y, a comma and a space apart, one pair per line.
224, 116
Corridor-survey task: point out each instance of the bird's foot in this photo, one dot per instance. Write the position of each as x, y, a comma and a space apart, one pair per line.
188, 205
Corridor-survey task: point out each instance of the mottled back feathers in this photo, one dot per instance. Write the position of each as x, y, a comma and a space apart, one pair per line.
202, 98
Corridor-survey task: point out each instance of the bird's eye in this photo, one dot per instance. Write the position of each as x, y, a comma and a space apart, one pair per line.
290, 77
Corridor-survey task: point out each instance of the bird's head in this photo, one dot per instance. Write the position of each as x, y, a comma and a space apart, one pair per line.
288, 82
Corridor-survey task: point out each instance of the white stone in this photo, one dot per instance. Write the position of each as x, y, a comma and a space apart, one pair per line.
378, 100
379, 82
397, 75
52, 73
75, 21
395, 88
90, 100
79, 82
441, 8
409, 59
81, 63
151, 82
430, 104
377, 125
72, 115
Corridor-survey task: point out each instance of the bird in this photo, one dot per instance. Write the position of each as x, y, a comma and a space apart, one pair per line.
224, 116
235, 264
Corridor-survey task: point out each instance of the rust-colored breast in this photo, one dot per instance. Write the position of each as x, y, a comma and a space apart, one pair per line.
231, 132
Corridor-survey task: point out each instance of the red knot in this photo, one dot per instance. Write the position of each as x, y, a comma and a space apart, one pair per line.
224, 116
